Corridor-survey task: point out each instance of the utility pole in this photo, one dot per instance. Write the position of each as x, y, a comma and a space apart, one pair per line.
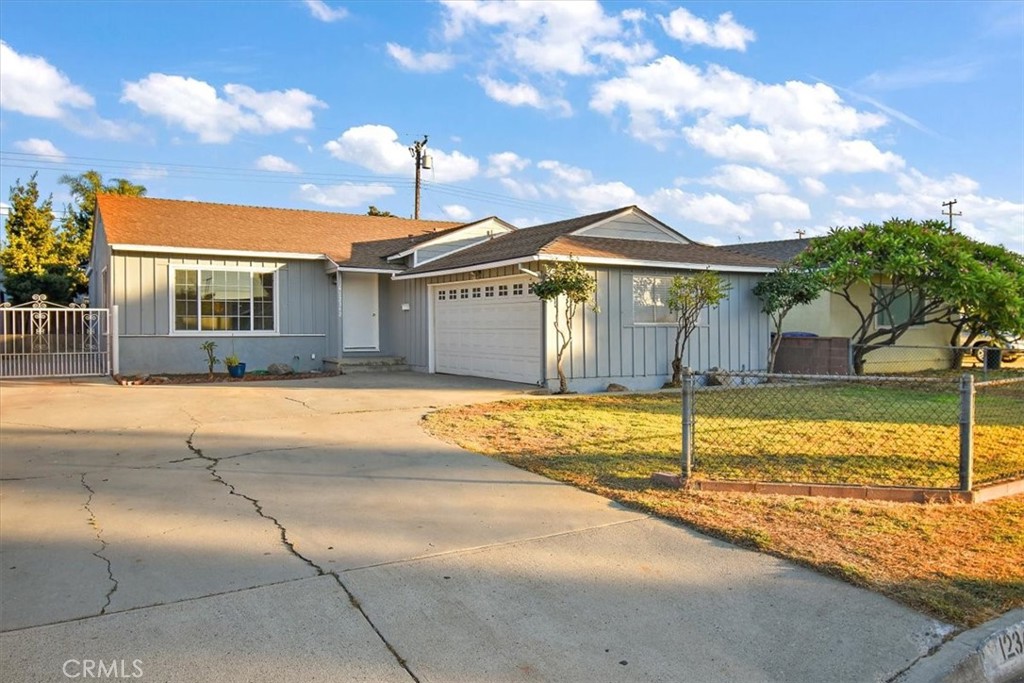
800, 234
423, 160
949, 211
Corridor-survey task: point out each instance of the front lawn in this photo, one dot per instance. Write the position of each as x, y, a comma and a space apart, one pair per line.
961, 563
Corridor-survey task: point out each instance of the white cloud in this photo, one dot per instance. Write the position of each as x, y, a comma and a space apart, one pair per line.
457, 212
812, 151
147, 172
794, 126
782, 206
521, 95
746, 179
564, 173
324, 12
345, 195
505, 163
814, 186
725, 33
546, 37
43, 148
424, 62
32, 86
592, 198
711, 209
270, 162
195, 106
989, 219
377, 148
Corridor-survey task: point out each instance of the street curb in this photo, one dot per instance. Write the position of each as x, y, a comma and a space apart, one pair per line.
990, 653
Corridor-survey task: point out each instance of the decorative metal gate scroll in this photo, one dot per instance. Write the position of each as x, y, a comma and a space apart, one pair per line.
43, 339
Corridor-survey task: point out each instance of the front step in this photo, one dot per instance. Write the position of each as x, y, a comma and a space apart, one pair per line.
354, 364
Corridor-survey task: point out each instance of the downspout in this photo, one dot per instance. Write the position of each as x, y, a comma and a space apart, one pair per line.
338, 290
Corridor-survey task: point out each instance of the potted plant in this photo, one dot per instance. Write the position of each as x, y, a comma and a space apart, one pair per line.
236, 368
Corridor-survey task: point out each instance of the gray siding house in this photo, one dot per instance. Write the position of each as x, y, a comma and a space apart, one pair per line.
304, 287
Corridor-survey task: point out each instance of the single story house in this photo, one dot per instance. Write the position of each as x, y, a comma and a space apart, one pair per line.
301, 287
922, 347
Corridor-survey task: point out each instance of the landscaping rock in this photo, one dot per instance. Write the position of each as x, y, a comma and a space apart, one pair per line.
616, 387
718, 379
280, 369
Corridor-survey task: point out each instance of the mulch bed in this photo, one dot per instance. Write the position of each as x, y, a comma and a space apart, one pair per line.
218, 377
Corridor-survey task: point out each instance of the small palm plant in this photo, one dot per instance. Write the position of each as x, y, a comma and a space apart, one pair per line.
211, 360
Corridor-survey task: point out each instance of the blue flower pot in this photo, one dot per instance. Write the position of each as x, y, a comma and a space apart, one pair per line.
237, 371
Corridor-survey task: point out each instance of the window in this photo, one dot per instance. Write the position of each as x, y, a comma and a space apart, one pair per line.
899, 309
502, 290
488, 291
451, 294
441, 295
463, 293
476, 292
650, 300
517, 289
223, 300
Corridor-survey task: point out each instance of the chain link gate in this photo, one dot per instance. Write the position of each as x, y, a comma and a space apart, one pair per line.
43, 339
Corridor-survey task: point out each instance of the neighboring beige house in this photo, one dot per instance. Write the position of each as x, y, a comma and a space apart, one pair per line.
923, 347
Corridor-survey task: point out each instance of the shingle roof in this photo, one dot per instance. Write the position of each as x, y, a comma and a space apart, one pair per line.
643, 250
776, 250
357, 241
556, 239
517, 244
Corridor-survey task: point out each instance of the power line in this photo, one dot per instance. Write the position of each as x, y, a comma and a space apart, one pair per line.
72, 164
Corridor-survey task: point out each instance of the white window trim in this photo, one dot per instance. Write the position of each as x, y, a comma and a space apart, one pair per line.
704, 320
173, 268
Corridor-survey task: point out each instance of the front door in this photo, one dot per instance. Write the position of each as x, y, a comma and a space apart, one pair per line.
360, 325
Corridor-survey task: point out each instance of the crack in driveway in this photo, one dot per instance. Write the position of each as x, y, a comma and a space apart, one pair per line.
290, 546
98, 554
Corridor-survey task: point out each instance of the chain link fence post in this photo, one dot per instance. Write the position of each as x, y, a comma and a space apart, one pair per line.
966, 431
687, 419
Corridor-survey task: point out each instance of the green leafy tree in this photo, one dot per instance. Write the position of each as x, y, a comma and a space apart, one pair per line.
993, 303
568, 285
374, 211
688, 296
32, 259
915, 273
75, 240
782, 290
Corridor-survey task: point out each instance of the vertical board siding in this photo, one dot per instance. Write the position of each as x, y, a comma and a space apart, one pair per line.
610, 345
142, 290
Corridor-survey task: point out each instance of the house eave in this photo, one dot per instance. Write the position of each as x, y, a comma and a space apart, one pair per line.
466, 269
643, 263
298, 256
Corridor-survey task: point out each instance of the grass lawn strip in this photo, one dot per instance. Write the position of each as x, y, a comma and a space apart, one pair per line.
961, 563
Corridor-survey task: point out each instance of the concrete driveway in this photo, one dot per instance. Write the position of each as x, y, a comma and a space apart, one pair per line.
310, 530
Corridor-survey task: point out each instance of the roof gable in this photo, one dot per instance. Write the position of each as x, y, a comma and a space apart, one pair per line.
358, 241
633, 223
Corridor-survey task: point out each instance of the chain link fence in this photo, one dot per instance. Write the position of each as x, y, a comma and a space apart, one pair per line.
848, 430
904, 359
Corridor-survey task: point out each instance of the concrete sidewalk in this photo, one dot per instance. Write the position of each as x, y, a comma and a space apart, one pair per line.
310, 530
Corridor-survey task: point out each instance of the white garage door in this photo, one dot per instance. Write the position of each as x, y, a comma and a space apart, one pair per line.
488, 329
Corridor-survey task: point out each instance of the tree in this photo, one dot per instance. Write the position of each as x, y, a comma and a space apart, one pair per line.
374, 211
32, 260
915, 273
79, 217
568, 285
779, 292
994, 305
688, 296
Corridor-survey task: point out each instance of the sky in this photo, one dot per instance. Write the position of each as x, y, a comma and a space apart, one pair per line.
729, 121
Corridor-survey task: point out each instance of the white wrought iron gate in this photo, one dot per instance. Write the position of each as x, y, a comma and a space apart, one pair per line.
42, 339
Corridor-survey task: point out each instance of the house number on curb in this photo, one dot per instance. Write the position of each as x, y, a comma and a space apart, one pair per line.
1011, 644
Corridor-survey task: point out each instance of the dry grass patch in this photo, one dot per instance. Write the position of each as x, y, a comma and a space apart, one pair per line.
963, 564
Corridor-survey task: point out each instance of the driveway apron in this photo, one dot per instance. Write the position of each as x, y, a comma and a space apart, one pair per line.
311, 530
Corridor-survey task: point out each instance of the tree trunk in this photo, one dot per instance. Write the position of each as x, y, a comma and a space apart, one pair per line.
677, 372
773, 350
